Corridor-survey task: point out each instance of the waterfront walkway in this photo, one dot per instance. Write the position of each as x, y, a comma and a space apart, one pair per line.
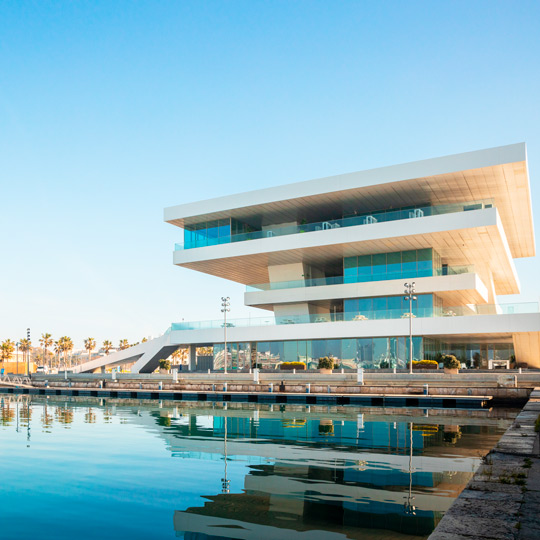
502, 501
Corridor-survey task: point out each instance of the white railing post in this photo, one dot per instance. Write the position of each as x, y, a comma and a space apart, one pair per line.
360, 375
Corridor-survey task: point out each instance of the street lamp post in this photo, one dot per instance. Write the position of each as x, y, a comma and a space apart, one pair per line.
28, 353
225, 308
409, 291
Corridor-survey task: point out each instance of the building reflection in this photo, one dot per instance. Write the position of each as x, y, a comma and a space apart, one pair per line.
337, 472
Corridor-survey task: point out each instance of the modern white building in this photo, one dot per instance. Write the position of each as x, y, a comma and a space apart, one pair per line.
328, 260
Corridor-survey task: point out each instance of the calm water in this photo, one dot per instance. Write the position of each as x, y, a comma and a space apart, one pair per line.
83, 468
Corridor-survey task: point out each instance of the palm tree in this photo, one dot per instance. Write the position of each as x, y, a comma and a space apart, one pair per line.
6, 350
57, 350
107, 346
123, 344
89, 345
25, 346
68, 347
46, 341
65, 345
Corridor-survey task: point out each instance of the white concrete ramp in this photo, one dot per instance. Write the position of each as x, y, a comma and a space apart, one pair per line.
145, 355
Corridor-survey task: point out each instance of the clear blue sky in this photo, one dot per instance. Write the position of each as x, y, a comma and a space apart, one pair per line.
110, 111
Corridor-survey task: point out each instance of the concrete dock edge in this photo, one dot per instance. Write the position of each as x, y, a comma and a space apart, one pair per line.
502, 501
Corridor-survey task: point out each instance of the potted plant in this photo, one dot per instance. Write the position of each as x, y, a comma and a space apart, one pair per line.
164, 366
451, 364
326, 365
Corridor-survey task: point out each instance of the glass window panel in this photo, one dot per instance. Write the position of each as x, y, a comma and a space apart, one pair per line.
290, 351
365, 306
350, 306
276, 352
380, 351
379, 306
425, 254
302, 351
212, 229
348, 353
333, 347
408, 263
393, 265
402, 357
350, 262
379, 264
364, 267
318, 347
364, 351
395, 306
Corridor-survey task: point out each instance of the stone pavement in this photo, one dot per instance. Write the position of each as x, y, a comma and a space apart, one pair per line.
502, 501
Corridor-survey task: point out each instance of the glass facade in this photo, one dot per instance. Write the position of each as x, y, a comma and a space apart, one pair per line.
369, 353
473, 355
391, 307
208, 233
244, 232
397, 265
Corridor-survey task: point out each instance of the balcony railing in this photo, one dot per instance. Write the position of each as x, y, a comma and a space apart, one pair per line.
340, 280
361, 316
364, 219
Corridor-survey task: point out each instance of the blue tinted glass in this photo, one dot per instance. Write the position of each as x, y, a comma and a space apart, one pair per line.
380, 303
408, 263
393, 265
379, 264
364, 267
212, 229
350, 306
365, 306
365, 351
394, 304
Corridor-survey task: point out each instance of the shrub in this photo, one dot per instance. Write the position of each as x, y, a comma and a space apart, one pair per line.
424, 364
324, 429
164, 364
451, 362
326, 363
292, 365
384, 364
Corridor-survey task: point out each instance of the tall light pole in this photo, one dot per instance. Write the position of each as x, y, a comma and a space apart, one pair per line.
409, 291
225, 308
28, 353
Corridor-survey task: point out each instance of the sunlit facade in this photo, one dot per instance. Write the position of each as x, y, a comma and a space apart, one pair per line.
327, 261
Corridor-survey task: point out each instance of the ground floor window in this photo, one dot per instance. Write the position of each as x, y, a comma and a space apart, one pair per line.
368, 353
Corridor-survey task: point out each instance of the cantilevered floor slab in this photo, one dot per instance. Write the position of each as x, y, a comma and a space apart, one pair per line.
500, 174
454, 290
473, 238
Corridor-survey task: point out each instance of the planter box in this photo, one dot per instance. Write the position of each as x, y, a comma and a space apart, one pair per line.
325, 371
451, 371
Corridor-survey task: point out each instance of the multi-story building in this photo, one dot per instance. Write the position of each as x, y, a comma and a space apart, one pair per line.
328, 259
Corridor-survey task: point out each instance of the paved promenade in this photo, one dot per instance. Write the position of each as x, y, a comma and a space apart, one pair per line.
502, 501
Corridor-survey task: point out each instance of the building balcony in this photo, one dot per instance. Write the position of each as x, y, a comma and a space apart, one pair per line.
342, 280
364, 219
362, 316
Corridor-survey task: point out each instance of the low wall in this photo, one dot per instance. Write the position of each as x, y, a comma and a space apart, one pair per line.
503, 393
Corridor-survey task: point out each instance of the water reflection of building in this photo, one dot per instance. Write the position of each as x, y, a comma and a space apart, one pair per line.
298, 469
344, 481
